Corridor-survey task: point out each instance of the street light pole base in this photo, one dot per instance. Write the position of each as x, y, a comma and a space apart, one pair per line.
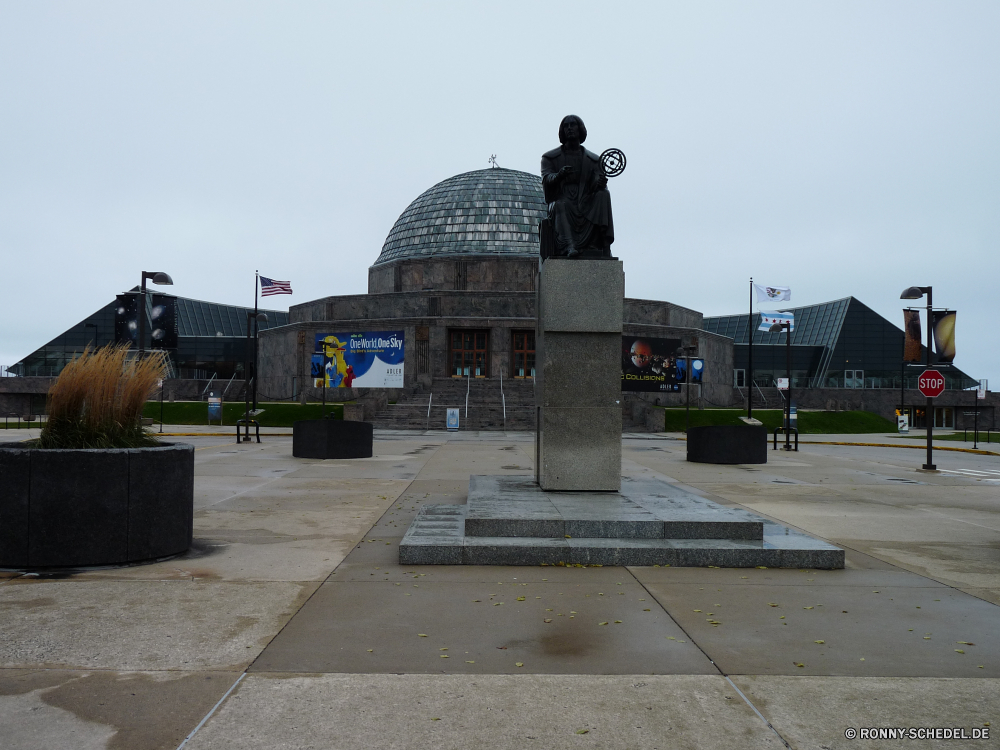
928, 467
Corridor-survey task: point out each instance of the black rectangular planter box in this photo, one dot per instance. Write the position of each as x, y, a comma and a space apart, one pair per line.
727, 444
64, 508
331, 438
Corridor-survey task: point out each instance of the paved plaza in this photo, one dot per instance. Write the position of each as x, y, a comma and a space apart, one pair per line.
290, 623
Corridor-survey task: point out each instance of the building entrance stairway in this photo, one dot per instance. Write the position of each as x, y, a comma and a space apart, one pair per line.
486, 405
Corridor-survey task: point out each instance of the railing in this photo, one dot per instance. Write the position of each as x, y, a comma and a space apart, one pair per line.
762, 396
788, 431
231, 382
28, 418
467, 384
210, 380
503, 401
430, 400
975, 434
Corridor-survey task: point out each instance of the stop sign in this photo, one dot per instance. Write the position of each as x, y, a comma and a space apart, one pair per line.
931, 383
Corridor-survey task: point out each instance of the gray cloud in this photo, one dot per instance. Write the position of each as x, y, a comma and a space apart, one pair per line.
842, 149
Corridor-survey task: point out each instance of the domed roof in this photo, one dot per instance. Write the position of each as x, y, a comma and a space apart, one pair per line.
486, 212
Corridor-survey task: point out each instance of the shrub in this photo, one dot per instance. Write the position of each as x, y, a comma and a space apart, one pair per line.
97, 400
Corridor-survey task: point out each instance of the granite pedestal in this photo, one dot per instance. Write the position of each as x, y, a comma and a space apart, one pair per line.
578, 374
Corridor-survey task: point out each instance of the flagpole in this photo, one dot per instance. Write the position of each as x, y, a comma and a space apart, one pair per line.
256, 329
750, 355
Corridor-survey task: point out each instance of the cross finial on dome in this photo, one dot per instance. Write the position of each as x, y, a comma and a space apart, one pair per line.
493, 161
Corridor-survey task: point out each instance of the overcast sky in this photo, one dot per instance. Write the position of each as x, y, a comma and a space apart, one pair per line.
839, 148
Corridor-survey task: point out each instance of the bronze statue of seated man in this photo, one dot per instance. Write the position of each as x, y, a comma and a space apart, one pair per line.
576, 190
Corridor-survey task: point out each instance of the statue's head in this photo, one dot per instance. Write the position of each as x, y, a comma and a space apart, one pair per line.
581, 129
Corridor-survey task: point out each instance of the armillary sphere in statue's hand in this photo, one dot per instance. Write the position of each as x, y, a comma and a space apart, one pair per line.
613, 162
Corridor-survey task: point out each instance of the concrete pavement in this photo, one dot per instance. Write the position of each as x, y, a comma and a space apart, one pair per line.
293, 609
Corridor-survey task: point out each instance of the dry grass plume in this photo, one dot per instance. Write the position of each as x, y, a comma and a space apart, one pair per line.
97, 401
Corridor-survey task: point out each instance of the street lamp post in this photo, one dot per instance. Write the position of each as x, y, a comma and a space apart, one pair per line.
777, 328
916, 292
157, 277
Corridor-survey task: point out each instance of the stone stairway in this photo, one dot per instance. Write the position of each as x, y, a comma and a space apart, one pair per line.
485, 406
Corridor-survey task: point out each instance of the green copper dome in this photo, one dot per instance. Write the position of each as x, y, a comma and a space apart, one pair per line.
486, 212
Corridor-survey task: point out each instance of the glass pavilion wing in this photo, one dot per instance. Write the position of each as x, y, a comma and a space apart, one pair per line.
815, 325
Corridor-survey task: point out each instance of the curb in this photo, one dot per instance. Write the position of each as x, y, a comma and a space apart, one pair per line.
937, 447
894, 445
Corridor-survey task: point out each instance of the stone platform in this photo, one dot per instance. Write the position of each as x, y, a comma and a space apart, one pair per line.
508, 520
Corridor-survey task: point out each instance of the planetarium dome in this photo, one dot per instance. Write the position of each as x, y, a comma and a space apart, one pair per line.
487, 212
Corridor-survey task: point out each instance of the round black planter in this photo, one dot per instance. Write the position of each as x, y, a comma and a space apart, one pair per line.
68, 508
331, 438
727, 444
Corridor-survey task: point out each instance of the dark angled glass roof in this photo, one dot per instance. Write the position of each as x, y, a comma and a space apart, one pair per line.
815, 325
486, 212
197, 318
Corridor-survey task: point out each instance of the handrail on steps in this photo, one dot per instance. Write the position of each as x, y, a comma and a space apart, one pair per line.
762, 396
503, 400
229, 384
209, 384
430, 400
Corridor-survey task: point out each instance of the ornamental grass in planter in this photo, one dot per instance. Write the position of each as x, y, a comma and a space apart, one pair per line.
95, 488
97, 400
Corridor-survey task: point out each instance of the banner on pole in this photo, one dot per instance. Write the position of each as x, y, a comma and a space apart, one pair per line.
911, 329
163, 322
697, 369
944, 335
127, 319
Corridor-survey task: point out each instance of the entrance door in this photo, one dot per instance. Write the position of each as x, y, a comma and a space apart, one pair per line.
524, 354
468, 353
944, 417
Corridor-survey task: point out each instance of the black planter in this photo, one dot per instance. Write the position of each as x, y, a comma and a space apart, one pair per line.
62, 508
727, 444
331, 438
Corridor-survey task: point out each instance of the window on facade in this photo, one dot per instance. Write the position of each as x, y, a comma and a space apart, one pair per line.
468, 353
524, 354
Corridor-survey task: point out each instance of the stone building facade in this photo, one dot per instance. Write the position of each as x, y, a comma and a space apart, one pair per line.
457, 274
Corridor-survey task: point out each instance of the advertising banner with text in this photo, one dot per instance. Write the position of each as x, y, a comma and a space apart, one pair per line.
368, 359
649, 364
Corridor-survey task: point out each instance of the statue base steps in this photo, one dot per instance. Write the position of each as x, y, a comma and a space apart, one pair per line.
509, 520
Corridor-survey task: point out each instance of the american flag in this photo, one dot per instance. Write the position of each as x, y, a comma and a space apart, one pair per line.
270, 286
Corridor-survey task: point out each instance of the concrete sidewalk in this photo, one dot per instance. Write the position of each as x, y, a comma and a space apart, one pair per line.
290, 624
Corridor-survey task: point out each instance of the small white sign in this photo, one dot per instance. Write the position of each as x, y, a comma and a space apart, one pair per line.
903, 423
782, 384
981, 394
452, 420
